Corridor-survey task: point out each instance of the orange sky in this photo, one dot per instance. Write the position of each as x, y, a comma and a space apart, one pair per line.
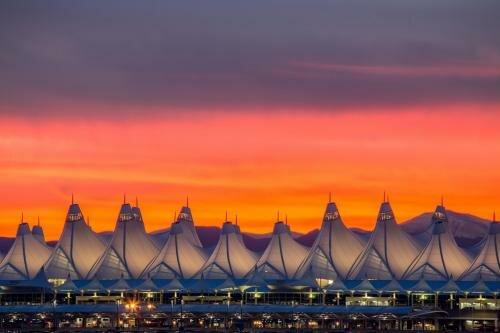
252, 164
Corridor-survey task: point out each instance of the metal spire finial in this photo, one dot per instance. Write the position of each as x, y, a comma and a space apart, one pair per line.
226, 216
286, 219
278, 216
124, 198
384, 196
22, 217
72, 199
236, 219
38, 220
330, 197
187, 201
137, 202
175, 215
494, 217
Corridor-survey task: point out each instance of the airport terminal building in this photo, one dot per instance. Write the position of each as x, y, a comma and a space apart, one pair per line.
389, 281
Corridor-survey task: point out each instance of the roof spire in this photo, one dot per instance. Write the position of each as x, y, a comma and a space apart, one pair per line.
329, 197
442, 200
278, 216
494, 217
236, 219
286, 219
22, 217
137, 202
175, 215
72, 199
38, 220
124, 198
187, 201
384, 196
226, 216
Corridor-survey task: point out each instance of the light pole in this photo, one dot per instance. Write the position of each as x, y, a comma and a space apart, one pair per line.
172, 313
181, 325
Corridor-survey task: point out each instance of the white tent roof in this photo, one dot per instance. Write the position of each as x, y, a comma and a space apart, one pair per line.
120, 285
450, 287
282, 256
94, 285
393, 287
479, 288
388, 252
230, 257
179, 257
25, 257
365, 286
77, 250
228, 285
173, 285
255, 280
441, 258
37, 232
130, 250
421, 287
185, 220
337, 286
334, 250
68, 286
147, 285
487, 263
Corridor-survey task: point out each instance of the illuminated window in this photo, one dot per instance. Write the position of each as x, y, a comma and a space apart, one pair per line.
126, 217
332, 216
75, 217
184, 216
439, 216
385, 216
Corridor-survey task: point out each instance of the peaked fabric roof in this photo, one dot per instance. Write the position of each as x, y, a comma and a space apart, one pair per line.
421, 286
337, 286
136, 211
185, 220
487, 263
334, 250
130, 249
147, 285
450, 287
179, 257
441, 258
393, 286
256, 279
173, 285
228, 284
365, 286
282, 256
120, 285
77, 250
94, 285
37, 231
230, 257
26, 256
479, 287
68, 286
389, 251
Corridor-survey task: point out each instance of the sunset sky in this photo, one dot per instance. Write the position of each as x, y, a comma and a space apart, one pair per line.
247, 107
